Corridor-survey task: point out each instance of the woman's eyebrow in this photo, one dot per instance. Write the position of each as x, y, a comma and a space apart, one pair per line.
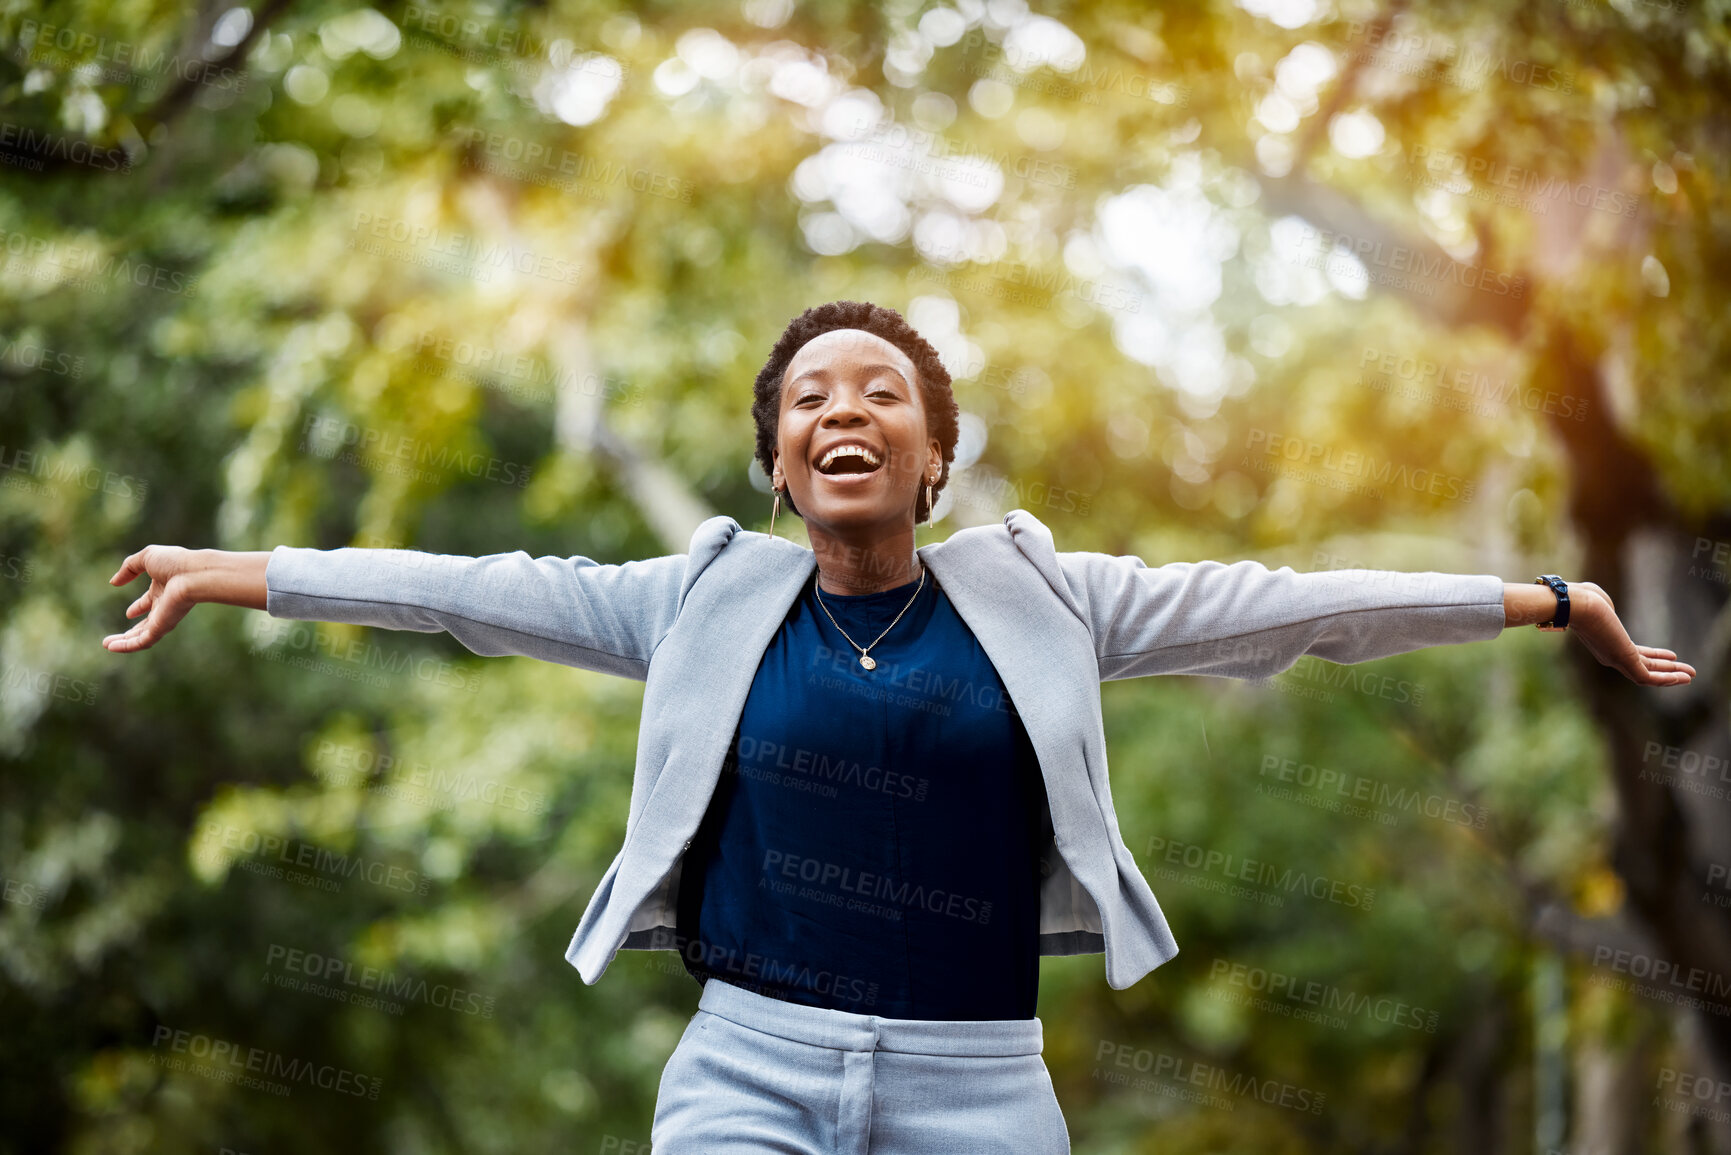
821, 371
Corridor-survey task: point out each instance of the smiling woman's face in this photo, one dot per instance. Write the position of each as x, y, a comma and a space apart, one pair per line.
851, 387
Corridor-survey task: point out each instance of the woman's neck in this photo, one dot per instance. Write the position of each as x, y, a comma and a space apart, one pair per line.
864, 564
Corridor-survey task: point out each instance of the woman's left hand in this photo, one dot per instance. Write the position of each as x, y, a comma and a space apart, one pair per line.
1593, 619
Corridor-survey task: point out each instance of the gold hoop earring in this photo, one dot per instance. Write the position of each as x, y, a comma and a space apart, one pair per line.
773, 510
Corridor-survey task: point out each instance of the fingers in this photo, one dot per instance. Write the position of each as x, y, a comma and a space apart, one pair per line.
1669, 664
139, 637
161, 610
145, 634
1659, 659
129, 569
143, 604
1643, 665
1653, 671
1687, 673
159, 604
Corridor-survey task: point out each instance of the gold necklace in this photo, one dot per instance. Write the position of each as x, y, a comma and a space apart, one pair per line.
866, 659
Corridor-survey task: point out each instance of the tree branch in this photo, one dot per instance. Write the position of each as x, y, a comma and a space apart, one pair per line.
60, 160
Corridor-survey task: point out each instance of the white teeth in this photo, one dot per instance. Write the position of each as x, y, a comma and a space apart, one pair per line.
858, 450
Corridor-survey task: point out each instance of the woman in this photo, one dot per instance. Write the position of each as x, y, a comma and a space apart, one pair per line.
871, 785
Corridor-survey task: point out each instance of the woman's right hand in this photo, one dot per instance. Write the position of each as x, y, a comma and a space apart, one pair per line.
170, 569
180, 579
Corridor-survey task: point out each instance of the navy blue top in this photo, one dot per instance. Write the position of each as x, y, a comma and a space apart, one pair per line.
873, 842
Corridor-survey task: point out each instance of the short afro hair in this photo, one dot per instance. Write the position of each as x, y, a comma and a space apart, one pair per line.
934, 381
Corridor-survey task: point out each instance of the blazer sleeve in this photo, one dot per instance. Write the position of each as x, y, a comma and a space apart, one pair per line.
573, 611
1243, 620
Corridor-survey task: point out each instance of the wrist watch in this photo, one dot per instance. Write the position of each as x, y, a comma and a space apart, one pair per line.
1561, 589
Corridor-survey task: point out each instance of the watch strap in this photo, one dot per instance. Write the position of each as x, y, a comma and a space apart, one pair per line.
1561, 588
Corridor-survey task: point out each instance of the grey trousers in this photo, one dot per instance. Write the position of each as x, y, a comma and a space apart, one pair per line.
752, 1074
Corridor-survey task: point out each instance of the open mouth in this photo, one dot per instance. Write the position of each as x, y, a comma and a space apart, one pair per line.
851, 458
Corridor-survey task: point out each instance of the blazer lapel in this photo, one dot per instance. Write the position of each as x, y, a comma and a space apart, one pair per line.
708, 661
1042, 652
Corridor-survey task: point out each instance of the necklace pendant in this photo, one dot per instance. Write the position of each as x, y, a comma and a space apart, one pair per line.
868, 661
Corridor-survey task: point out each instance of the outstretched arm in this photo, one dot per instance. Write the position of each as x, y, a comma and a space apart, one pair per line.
573, 611
1244, 620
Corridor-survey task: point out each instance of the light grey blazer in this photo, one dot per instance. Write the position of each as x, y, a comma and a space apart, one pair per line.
694, 626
